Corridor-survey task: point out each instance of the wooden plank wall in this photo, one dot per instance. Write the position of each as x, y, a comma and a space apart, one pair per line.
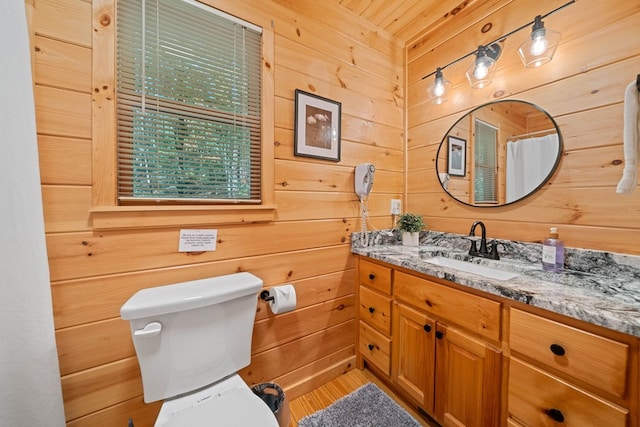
582, 88
320, 49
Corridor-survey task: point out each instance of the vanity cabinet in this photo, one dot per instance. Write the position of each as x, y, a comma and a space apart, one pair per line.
452, 374
473, 359
374, 313
562, 374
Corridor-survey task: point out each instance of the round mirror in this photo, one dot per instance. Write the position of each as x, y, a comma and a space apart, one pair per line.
498, 153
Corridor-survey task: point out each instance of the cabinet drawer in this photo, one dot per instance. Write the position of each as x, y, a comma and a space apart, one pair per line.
375, 276
375, 347
535, 397
596, 360
375, 309
472, 312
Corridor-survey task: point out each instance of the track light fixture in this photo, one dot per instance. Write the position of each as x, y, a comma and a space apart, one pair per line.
438, 89
480, 73
537, 50
540, 47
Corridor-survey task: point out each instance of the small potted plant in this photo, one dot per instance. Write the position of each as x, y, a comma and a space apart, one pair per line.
409, 225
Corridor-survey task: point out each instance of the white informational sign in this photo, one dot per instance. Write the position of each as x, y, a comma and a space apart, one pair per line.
197, 240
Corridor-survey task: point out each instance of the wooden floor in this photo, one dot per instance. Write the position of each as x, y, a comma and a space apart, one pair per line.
325, 395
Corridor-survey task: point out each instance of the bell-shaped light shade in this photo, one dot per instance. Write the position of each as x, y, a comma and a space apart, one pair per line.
480, 73
539, 48
438, 88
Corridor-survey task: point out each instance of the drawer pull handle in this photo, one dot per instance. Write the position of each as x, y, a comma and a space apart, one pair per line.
557, 349
372, 309
555, 415
371, 346
427, 328
439, 335
372, 276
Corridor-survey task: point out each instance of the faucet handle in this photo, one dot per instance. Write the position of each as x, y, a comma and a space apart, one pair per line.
473, 250
494, 250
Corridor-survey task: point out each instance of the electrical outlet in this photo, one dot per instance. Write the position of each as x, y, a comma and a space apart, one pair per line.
396, 205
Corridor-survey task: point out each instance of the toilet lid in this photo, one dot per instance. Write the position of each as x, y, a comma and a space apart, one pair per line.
234, 408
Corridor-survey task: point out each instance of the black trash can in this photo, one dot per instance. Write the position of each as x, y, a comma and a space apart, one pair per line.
273, 396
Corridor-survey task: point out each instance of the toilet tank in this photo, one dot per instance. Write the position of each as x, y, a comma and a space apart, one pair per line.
191, 334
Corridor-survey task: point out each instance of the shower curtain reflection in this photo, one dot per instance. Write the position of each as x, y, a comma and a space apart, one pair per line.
529, 162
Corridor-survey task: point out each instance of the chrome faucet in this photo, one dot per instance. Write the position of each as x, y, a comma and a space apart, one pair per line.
483, 251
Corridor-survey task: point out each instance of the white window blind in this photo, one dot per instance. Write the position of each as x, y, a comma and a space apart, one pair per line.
188, 103
485, 163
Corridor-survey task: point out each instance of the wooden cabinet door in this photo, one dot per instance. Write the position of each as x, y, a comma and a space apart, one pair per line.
468, 379
413, 354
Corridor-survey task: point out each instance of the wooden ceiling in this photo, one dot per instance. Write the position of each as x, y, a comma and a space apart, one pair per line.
405, 19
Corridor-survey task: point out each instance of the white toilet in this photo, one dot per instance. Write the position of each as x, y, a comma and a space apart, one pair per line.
190, 339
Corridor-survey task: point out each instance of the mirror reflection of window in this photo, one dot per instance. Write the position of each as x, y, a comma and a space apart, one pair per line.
484, 163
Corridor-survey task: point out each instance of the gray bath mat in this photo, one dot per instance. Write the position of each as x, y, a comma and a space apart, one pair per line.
368, 406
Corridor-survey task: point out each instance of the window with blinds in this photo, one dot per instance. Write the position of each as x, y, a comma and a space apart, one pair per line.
485, 163
188, 103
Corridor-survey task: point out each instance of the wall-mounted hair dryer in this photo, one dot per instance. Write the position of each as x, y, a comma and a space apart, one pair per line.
364, 179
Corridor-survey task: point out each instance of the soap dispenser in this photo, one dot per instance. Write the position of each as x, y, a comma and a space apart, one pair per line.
553, 252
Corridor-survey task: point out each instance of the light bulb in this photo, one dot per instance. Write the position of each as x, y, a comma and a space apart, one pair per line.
438, 88
539, 43
481, 71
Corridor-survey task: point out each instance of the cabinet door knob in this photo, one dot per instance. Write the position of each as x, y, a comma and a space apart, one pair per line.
439, 335
427, 328
372, 276
555, 415
372, 309
557, 349
371, 346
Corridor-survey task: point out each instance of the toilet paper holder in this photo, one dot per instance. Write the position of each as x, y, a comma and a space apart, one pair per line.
266, 296
281, 299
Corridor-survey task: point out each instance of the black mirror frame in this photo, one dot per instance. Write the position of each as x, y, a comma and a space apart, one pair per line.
443, 143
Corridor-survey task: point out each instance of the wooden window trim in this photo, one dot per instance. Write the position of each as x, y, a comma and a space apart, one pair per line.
106, 213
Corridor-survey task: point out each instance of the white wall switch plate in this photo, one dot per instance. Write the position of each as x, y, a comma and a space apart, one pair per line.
396, 206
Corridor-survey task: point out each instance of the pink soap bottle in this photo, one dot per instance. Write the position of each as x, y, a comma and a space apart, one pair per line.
553, 252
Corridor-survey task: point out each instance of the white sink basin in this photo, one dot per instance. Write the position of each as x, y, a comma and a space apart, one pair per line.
480, 270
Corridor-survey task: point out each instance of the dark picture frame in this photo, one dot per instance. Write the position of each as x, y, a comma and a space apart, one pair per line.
456, 156
317, 126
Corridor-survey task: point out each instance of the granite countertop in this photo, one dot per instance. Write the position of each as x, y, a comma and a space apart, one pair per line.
598, 287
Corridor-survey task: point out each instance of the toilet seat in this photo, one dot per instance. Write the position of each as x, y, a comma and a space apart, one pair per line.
235, 406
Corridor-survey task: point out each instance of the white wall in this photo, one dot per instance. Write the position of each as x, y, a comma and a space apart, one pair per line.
30, 394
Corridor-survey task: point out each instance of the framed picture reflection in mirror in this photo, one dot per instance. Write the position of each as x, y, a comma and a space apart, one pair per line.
457, 156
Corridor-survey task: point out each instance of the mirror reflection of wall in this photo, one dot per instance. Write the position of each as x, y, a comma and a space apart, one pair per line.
512, 149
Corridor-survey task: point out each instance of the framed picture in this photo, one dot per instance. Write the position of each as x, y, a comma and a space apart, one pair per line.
457, 156
317, 127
